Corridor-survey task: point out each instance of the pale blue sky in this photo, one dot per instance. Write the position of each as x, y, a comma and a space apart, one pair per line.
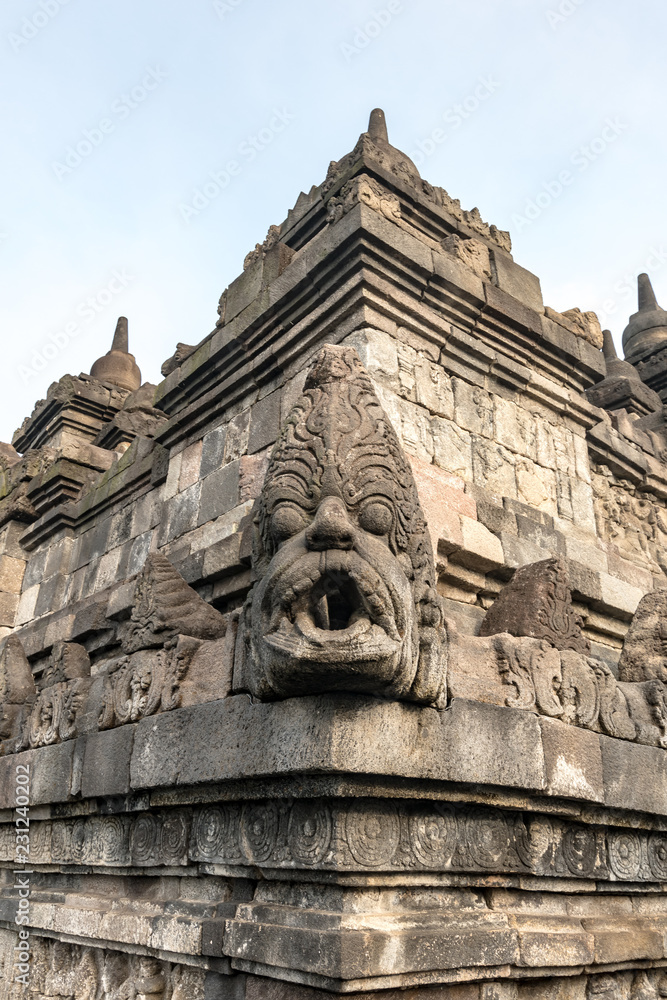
538, 81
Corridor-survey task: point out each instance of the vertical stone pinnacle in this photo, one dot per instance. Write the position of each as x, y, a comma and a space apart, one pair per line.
608, 347
646, 295
120, 337
377, 126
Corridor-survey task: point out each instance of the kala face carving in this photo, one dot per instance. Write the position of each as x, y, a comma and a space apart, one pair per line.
345, 596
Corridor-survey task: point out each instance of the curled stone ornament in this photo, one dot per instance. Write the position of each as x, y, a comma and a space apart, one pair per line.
144, 839
373, 832
78, 846
173, 839
309, 831
259, 830
488, 838
657, 854
433, 836
215, 834
625, 854
113, 840
59, 841
579, 850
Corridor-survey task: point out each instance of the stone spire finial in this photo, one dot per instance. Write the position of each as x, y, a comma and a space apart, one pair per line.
646, 331
377, 126
645, 294
120, 337
118, 366
622, 386
615, 366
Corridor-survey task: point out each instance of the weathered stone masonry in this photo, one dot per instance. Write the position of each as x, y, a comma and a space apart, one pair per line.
337, 662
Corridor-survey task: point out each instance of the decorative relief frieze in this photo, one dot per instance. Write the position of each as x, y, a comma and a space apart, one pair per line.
76, 972
350, 835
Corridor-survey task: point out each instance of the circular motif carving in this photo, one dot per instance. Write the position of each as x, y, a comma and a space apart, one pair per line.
579, 850
625, 853
487, 836
657, 854
173, 838
534, 841
259, 830
373, 832
112, 839
78, 847
433, 835
59, 840
144, 839
309, 831
215, 834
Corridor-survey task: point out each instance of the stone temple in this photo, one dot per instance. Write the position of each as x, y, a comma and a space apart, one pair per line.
337, 662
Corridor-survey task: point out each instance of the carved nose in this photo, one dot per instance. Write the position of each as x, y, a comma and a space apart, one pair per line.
331, 528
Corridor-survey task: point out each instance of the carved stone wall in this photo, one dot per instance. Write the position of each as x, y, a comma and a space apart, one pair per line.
336, 662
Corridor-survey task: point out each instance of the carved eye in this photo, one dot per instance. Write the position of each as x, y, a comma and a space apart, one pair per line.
286, 520
376, 517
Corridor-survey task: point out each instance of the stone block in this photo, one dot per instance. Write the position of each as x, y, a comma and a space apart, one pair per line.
452, 448
590, 556
493, 468
545, 537
495, 517
488, 744
623, 939
469, 742
51, 773
106, 762
159, 465
519, 551
481, 550
223, 557
437, 489
213, 448
219, 492
473, 408
264, 422
8, 775
8, 607
552, 941
252, 470
634, 776
190, 463
138, 551
121, 527
619, 596
517, 281
572, 761
10, 539
182, 512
